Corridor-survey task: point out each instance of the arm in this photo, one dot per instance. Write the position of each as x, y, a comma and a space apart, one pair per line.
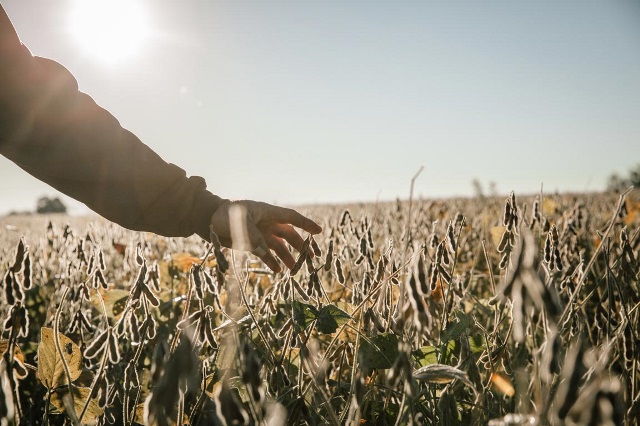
62, 137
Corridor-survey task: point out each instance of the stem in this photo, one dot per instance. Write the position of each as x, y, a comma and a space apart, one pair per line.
103, 362
56, 340
595, 254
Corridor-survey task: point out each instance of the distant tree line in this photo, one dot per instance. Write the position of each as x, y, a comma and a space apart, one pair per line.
50, 205
618, 183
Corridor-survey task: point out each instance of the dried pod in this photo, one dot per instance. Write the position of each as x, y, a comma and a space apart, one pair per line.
315, 248
329, 258
339, 272
98, 344
139, 256
114, 351
27, 272
451, 242
506, 218
20, 252
8, 289
298, 289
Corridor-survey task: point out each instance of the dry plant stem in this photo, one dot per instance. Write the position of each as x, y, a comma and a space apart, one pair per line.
194, 416
180, 416
448, 292
14, 387
185, 314
56, 339
103, 362
272, 356
489, 268
595, 255
401, 411
353, 373
413, 181
406, 247
373, 292
134, 361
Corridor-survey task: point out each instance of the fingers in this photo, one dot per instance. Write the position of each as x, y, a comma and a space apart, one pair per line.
260, 228
281, 250
290, 235
270, 261
285, 215
260, 248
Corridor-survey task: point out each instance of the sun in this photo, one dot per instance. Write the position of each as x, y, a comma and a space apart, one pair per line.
109, 30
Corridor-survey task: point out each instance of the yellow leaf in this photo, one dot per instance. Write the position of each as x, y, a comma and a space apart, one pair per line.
17, 353
502, 384
138, 417
550, 207
496, 234
114, 301
50, 366
80, 396
632, 212
184, 261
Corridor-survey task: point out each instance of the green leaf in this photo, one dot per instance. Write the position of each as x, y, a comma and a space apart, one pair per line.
449, 353
303, 314
426, 355
477, 344
330, 318
456, 328
378, 351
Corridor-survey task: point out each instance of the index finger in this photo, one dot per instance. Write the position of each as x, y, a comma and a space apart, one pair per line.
286, 215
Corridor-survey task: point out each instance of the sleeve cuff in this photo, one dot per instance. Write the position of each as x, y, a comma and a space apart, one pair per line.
202, 211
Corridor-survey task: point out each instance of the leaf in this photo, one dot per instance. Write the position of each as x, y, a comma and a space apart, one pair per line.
449, 352
425, 355
456, 328
632, 212
115, 301
184, 261
502, 384
120, 248
80, 395
550, 207
440, 373
330, 318
477, 344
496, 234
50, 367
378, 351
138, 417
17, 353
304, 314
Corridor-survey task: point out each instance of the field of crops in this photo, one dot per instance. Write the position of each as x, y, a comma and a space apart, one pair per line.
517, 310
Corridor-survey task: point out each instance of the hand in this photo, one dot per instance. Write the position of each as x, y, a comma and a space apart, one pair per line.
259, 228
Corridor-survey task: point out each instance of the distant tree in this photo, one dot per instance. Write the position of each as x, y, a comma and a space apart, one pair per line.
617, 183
634, 176
478, 190
50, 205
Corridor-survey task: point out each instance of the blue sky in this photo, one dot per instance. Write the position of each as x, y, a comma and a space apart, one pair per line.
299, 102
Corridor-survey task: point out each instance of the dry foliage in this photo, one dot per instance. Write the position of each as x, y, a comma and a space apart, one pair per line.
434, 312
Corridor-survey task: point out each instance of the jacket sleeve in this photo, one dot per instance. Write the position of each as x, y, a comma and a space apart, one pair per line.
62, 137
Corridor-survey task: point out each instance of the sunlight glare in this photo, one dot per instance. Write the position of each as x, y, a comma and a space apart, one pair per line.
110, 31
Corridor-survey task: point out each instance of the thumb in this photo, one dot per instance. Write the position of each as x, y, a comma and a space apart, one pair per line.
259, 247
258, 244
244, 233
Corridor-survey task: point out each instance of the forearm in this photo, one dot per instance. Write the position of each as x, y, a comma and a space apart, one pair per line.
62, 137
